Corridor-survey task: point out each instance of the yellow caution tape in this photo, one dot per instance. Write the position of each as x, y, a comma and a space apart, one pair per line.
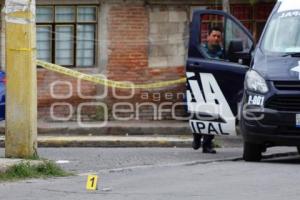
106, 82
22, 49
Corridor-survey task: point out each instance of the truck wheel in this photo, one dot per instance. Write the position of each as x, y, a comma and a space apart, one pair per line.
252, 152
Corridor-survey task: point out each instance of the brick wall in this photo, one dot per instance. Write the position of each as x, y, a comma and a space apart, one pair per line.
62, 94
128, 30
128, 36
60, 97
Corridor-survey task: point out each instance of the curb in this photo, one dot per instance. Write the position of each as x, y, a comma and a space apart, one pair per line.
58, 142
127, 141
141, 128
110, 141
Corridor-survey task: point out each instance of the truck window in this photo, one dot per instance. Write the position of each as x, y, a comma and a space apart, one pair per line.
234, 32
211, 36
233, 38
282, 34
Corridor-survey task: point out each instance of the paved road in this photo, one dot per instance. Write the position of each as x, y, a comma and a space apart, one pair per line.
83, 160
154, 174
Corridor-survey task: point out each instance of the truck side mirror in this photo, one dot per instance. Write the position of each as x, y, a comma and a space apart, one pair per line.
235, 46
236, 52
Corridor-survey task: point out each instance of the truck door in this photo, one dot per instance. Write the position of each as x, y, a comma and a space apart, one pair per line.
215, 85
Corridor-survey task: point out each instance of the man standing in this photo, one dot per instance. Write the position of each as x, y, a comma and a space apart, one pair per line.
212, 49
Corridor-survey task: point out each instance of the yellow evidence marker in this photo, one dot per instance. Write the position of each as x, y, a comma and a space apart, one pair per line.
91, 183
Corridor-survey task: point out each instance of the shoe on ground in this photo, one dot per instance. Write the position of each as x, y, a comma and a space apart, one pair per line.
209, 150
196, 142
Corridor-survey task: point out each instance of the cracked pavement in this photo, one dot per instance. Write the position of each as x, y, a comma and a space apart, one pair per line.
162, 173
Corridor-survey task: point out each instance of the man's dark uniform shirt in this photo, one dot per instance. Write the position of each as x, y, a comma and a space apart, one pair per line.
215, 53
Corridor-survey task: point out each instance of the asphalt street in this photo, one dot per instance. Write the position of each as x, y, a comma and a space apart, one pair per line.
163, 173
83, 160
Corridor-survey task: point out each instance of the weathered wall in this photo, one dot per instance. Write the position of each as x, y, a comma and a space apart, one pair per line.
129, 47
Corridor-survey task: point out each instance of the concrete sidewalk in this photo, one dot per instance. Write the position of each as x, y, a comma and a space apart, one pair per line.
122, 128
112, 128
127, 141
120, 134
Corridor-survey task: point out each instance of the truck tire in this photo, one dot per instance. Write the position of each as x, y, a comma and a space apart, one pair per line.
298, 149
252, 152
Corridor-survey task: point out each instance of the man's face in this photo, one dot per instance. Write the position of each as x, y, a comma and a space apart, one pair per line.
214, 38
